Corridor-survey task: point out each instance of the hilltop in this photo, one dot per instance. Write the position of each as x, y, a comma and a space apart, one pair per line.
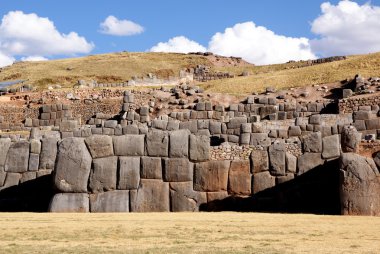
120, 67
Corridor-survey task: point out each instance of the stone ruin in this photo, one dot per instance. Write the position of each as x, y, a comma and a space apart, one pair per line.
262, 154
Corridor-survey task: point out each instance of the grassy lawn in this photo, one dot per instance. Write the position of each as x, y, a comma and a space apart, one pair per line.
187, 233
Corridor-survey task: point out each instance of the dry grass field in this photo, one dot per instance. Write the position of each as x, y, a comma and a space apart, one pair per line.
187, 233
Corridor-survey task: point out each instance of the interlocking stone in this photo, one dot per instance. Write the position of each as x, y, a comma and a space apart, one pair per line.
103, 174
70, 203
211, 176
17, 157
100, 146
179, 143
129, 173
151, 196
110, 202
239, 179
177, 170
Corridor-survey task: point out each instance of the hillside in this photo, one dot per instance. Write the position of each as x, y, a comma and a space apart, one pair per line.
106, 68
119, 67
283, 76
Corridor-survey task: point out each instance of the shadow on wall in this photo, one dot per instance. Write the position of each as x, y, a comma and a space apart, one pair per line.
316, 191
30, 196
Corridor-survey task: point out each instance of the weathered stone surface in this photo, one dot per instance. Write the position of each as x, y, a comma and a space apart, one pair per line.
199, 148
359, 185
285, 178
239, 178
70, 203
48, 153
11, 179
214, 196
260, 161
103, 174
17, 157
291, 163
129, 145
177, 170
34, 162
312, 143
129, 173
350, 139
263, 181
151, 196
35, 146
5, 143
184, 199
110, 202
100, 146
236, 122
179, 143
3, 175
157, 143
277, 161
28, 176
331, 147
73, 166
309, 161
151, 168
260, 139
211, 176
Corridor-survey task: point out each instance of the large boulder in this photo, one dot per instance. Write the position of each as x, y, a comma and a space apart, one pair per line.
70, 203
199, 147
73, 166
263, 181
277, 159
157, 143
184, 199
239, 179
103, 174
129, 173
151, 168
129, 145
260, 161
5, 143
17, 157
110, 202
179, 143
211, 176
177, 170
100, 146
350, 139
308, 161
331, 147
312, 142
48, 153
359, 185
151, 196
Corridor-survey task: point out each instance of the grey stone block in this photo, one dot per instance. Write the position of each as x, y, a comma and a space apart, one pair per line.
70, 203
312, 142
151, 196
260, 161
129, 173
291, 163
157, 143
211, 176
5, 143
34, 162
129, 145
110, 202
184, 199
308, 161
263, 181
100, 146
17, 157
177, 170
277, 159
199, 148
48, 153
331, 147
179, 143
103, 174
73, 166
151, 168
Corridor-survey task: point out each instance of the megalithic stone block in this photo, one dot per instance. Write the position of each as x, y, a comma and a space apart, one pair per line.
70, 203
110, 202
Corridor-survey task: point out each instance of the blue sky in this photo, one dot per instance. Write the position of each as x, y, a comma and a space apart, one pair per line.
197, 21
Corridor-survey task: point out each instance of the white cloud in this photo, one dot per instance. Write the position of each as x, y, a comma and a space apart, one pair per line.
114, 26
30, 35
5, 60
347, 28
33, 58
179, 44
258, 45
